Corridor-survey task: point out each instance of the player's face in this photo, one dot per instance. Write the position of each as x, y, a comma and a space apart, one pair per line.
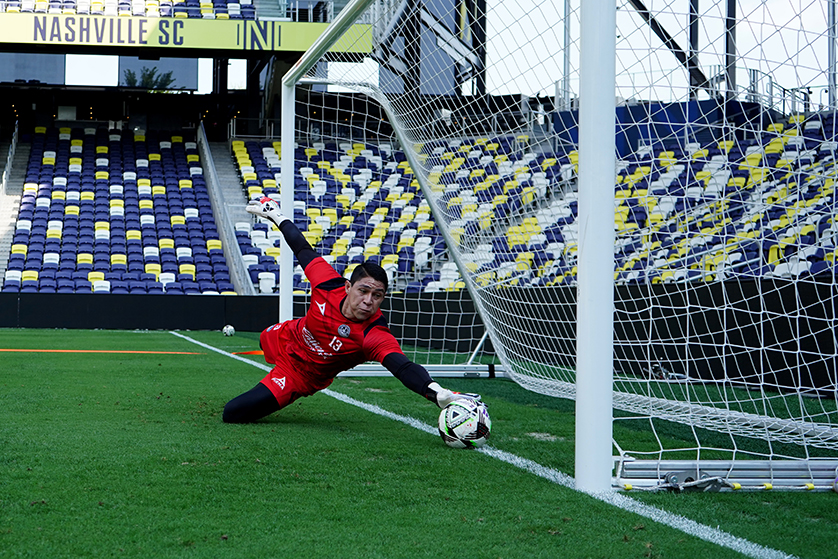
362, 299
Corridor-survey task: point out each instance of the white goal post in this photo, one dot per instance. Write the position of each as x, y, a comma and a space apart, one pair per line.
640, 208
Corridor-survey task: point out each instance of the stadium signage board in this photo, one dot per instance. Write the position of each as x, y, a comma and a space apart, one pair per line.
175, 33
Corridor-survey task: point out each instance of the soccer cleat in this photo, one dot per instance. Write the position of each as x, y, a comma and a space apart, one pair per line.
267, 208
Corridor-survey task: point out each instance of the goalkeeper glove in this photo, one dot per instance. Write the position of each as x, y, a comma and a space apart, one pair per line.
443, 396
267, 208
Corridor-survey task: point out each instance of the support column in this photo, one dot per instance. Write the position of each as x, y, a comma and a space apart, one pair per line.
730, 49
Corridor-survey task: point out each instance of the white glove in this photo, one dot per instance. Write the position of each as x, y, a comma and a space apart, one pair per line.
267, 208
445, 396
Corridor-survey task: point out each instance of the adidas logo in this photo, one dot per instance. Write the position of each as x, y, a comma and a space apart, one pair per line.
280, 382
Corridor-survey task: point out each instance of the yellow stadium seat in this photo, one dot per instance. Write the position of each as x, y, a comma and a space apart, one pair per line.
166, 243
213, 244
775, 146
152, 268
84, 258
751, 160
95, 276
332, 214
312, 237
29, 275
187, 269
119, 259
273, 252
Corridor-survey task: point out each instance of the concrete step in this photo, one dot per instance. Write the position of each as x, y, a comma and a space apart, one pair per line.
10, 202
232, 191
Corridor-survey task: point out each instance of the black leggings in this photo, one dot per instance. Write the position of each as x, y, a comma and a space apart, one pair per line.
250, 406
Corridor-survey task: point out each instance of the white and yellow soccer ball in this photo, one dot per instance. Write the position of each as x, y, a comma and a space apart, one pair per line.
465, 423
228, 330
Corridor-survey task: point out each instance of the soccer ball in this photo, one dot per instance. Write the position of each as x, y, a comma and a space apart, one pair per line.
465, 424
228, 330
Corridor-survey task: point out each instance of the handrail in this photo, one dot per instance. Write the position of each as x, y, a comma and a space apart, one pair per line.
238, 275
8, 169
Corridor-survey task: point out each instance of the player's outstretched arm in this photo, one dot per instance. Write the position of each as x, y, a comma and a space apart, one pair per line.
268, 208
416, 378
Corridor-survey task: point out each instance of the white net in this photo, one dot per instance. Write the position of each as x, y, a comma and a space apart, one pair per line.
724, 258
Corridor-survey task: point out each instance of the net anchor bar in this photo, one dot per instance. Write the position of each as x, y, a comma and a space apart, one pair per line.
725, 475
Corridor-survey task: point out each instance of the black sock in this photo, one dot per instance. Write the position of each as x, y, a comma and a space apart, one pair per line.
250, 406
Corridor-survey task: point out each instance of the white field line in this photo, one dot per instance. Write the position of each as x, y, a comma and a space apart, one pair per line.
691, 527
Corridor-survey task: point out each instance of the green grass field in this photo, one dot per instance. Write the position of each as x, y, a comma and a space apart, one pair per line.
125, 455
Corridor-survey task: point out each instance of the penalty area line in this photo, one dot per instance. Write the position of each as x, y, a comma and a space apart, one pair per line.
614, 498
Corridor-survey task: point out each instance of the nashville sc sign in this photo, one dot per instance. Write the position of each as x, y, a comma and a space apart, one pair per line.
175, 33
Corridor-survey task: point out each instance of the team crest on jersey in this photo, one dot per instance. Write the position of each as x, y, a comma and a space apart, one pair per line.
344, 331
280, 382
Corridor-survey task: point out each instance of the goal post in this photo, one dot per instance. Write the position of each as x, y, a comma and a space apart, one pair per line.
639, 210
595, 290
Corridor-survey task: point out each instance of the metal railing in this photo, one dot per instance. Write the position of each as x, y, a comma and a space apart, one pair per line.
9, 158
312, 11
756, 86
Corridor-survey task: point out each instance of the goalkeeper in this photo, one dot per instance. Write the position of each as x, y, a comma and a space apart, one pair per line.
342, 328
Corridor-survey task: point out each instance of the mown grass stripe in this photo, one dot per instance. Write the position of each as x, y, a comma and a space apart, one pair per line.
678, 522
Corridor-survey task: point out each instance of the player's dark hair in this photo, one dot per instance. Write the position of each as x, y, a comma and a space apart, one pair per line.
369, 270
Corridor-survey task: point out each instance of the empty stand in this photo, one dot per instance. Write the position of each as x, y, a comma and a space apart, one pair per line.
757, 207
112, 212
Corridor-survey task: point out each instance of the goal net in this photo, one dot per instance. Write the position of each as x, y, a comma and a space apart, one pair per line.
452, 133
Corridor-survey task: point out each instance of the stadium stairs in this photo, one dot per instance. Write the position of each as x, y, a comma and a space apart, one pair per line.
230, 183
10, 204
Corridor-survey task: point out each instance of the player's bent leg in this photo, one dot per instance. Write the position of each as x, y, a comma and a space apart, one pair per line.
254, 404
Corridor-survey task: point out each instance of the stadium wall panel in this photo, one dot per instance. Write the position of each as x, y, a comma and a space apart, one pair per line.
444, 320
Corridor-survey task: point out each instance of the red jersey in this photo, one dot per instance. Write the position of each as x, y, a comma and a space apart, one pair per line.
325, 342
